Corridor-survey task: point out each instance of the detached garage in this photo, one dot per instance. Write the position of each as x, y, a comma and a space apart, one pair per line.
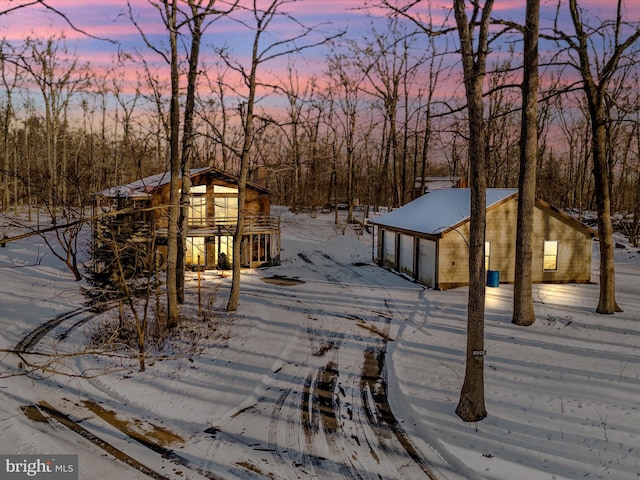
427, 239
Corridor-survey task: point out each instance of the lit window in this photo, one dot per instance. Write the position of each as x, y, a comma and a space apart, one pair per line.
487, 255
196, 252
550, 255
198, 210
226, 209
226, 204
228, 190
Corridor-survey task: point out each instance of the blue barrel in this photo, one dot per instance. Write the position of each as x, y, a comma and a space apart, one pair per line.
493, 278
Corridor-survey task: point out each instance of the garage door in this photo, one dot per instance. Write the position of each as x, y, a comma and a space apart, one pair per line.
389, 249
427, 262
405, 262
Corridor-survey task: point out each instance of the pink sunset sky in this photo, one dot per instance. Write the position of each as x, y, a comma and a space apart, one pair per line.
108, 20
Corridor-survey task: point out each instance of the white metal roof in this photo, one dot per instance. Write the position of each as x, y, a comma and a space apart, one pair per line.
437, 211
142, 188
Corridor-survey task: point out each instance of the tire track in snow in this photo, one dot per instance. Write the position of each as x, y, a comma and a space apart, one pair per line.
272, 432
373, 403
328, 420
32, 338
43, 412
294, 420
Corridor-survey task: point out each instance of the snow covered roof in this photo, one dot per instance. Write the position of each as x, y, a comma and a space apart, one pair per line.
439, 210
142, 188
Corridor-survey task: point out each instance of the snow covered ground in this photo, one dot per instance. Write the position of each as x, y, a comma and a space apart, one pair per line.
290, 385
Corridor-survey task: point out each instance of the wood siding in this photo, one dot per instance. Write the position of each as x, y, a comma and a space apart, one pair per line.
256, 202
209, 232
574, 248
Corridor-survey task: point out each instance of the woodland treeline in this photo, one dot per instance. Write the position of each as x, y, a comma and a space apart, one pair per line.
382, 112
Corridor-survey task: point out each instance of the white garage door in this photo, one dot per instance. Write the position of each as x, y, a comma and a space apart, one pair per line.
405, 263
389, 248
427, 262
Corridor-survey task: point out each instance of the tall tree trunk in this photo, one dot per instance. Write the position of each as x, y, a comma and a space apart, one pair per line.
607, 299
523, 313
471, 406
350, 164
595, 91
234, 296
187, 147
175, 166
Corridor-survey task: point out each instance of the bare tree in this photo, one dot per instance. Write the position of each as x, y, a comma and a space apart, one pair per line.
141, 316
523, 313
260, 20
503, 124
474, 50
198, 12
216, 114
10, 75
347, 78
56, 72
384, 62
597, 73
575, 187
435, 63
171, 16
174, 18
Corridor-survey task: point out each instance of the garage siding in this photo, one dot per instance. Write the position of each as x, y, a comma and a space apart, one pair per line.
427, 262
389, 249
501, 234
405, 262
574, 249
444, 262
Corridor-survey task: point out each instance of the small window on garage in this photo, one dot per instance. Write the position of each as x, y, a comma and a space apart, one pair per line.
550, 255
487, 255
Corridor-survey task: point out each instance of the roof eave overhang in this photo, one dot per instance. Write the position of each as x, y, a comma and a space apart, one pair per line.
568, 218
413, 233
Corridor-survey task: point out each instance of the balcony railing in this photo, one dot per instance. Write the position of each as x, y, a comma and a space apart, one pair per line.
227, 225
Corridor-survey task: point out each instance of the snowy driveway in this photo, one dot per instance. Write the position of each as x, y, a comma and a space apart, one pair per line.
322, 411
292, 385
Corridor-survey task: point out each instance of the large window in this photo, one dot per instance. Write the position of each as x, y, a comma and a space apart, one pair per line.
196, 253
550, 255
198, 211
226, 204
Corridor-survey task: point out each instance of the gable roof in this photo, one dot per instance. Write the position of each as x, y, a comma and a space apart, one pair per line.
567, 218
141, 189
440, 211
436, 212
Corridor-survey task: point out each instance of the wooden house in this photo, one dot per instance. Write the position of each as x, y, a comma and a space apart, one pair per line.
427, 240
212, 212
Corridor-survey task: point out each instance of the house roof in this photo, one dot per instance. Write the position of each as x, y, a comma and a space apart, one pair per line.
141, 189
440, 211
